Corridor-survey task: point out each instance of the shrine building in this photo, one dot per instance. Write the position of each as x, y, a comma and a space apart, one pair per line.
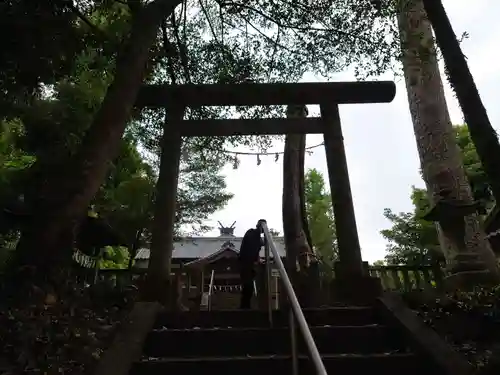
209, 265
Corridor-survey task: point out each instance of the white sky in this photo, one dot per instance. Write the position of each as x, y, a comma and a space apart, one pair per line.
380, 145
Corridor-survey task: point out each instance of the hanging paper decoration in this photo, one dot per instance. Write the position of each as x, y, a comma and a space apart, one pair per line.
236, 162
235, 154
84, 260
226, 288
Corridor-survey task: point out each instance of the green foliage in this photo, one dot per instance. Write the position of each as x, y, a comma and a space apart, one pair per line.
126, 198
415, 241
201, 189
320, 218
475, 172
115, 257
13, 161
40, 41
14, 164
50, 130
412, 240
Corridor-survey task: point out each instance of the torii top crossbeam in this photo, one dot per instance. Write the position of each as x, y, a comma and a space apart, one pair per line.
247, 94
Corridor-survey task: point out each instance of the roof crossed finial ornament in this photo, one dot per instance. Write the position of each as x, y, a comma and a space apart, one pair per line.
226, 231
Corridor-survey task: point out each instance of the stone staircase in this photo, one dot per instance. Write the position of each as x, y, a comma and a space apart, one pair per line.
229, 300
350, 340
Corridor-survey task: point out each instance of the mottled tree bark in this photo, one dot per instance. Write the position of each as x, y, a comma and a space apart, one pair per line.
295, 236
440, 158
295, 225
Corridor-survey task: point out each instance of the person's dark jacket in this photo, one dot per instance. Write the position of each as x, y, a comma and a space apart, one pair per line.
250, 246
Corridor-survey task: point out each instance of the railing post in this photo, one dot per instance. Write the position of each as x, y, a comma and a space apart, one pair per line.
210, 290
294, 305
269, 306
293, 341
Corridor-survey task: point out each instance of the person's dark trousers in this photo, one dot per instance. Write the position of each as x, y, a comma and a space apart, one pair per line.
247, 276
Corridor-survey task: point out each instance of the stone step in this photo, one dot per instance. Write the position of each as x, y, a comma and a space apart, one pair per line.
338, 316
387, 364
264, 341
228, 301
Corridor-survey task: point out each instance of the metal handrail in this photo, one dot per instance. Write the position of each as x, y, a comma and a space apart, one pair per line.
296, 311
210, 288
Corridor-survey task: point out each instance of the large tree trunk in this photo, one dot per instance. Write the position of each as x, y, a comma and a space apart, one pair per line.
482, 133
66, 194
440, 159
295, 237
293, 209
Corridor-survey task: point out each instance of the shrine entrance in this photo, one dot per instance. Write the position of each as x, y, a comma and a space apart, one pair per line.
215, 280
216, 276
351, 271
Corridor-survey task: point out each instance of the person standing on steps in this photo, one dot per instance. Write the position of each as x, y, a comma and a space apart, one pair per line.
249, 258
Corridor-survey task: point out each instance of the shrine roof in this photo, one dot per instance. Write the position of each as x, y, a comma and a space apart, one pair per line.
202, 247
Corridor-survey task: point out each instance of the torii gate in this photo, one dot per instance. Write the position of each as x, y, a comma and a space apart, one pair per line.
351, 275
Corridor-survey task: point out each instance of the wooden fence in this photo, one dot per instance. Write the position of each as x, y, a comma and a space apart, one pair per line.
393, 278
121, 277
407, 278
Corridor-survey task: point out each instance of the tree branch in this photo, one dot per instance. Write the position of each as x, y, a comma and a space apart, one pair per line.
292, 27
267, 37
168, 48
212, 30
86, 21
184, 21
182, 51
271, 67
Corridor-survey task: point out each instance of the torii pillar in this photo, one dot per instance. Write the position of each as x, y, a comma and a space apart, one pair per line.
352, 281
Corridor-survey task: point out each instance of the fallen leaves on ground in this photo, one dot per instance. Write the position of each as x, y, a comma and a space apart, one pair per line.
469, 321
61, 336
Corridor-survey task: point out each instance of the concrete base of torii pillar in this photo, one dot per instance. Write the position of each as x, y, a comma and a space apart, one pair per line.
355, 289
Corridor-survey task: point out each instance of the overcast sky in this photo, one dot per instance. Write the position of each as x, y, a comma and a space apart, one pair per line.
380, 145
